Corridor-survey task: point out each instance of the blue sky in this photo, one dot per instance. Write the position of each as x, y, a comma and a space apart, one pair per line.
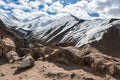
55, 9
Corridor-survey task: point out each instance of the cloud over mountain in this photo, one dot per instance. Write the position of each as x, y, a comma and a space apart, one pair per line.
54, 9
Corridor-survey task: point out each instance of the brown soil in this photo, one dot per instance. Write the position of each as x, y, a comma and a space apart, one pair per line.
55, 67
44, 70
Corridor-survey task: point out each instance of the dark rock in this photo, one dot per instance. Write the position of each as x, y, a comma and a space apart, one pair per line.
37, 52
2, 75
48, 50
73, 75
24, 51
55, 75
89, 79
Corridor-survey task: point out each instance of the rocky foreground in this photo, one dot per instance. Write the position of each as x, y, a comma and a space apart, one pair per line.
21, 59
58, 63
54, 62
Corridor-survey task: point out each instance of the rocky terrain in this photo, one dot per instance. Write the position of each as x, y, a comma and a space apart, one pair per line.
72, 49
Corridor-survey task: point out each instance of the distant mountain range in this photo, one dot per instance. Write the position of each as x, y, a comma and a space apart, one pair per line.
100, 33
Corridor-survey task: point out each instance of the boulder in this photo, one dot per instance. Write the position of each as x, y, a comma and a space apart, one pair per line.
65, 55
99, 62
37, 52
48, 50
8, 45
87, 56
27, 61
24, 51
12, 56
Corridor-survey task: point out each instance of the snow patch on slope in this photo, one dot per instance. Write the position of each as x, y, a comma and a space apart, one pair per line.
24, 26
68, 29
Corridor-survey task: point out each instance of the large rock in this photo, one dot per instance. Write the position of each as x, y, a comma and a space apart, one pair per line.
24, 51
99, 62
37, 52
48, 50
12, 56
65, 55
13, 35
27, 61
8, 45
87, 56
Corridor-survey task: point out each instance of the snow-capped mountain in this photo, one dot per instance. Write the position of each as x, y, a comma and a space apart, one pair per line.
103, 34
72, 29
66, 29
24, 26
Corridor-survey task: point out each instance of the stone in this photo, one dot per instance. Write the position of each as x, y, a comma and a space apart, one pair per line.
114, 70
37, 52
98, 65
89, 79
24, 51
73, 75
27, 61
48, 50
8, 45
2, 75
12, 56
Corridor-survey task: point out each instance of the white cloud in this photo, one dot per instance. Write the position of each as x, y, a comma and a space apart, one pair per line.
81, 9
77, 10
74, 9
44, 1
34, 4
28, 15
59, 15
55, 7
110, 8
2, 3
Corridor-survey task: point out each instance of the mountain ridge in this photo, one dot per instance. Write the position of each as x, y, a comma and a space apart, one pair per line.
77, 32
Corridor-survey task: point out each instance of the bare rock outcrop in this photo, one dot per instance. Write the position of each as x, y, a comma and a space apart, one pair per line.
8, 45
27, 61
87, 56
65, 55
12, 34
12, 56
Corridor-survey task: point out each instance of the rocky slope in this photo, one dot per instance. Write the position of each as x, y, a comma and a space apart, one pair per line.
60, 63
6, 32
102, 34
72, 49
25, 27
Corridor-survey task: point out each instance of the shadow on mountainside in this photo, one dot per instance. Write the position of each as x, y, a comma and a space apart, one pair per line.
110, 43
